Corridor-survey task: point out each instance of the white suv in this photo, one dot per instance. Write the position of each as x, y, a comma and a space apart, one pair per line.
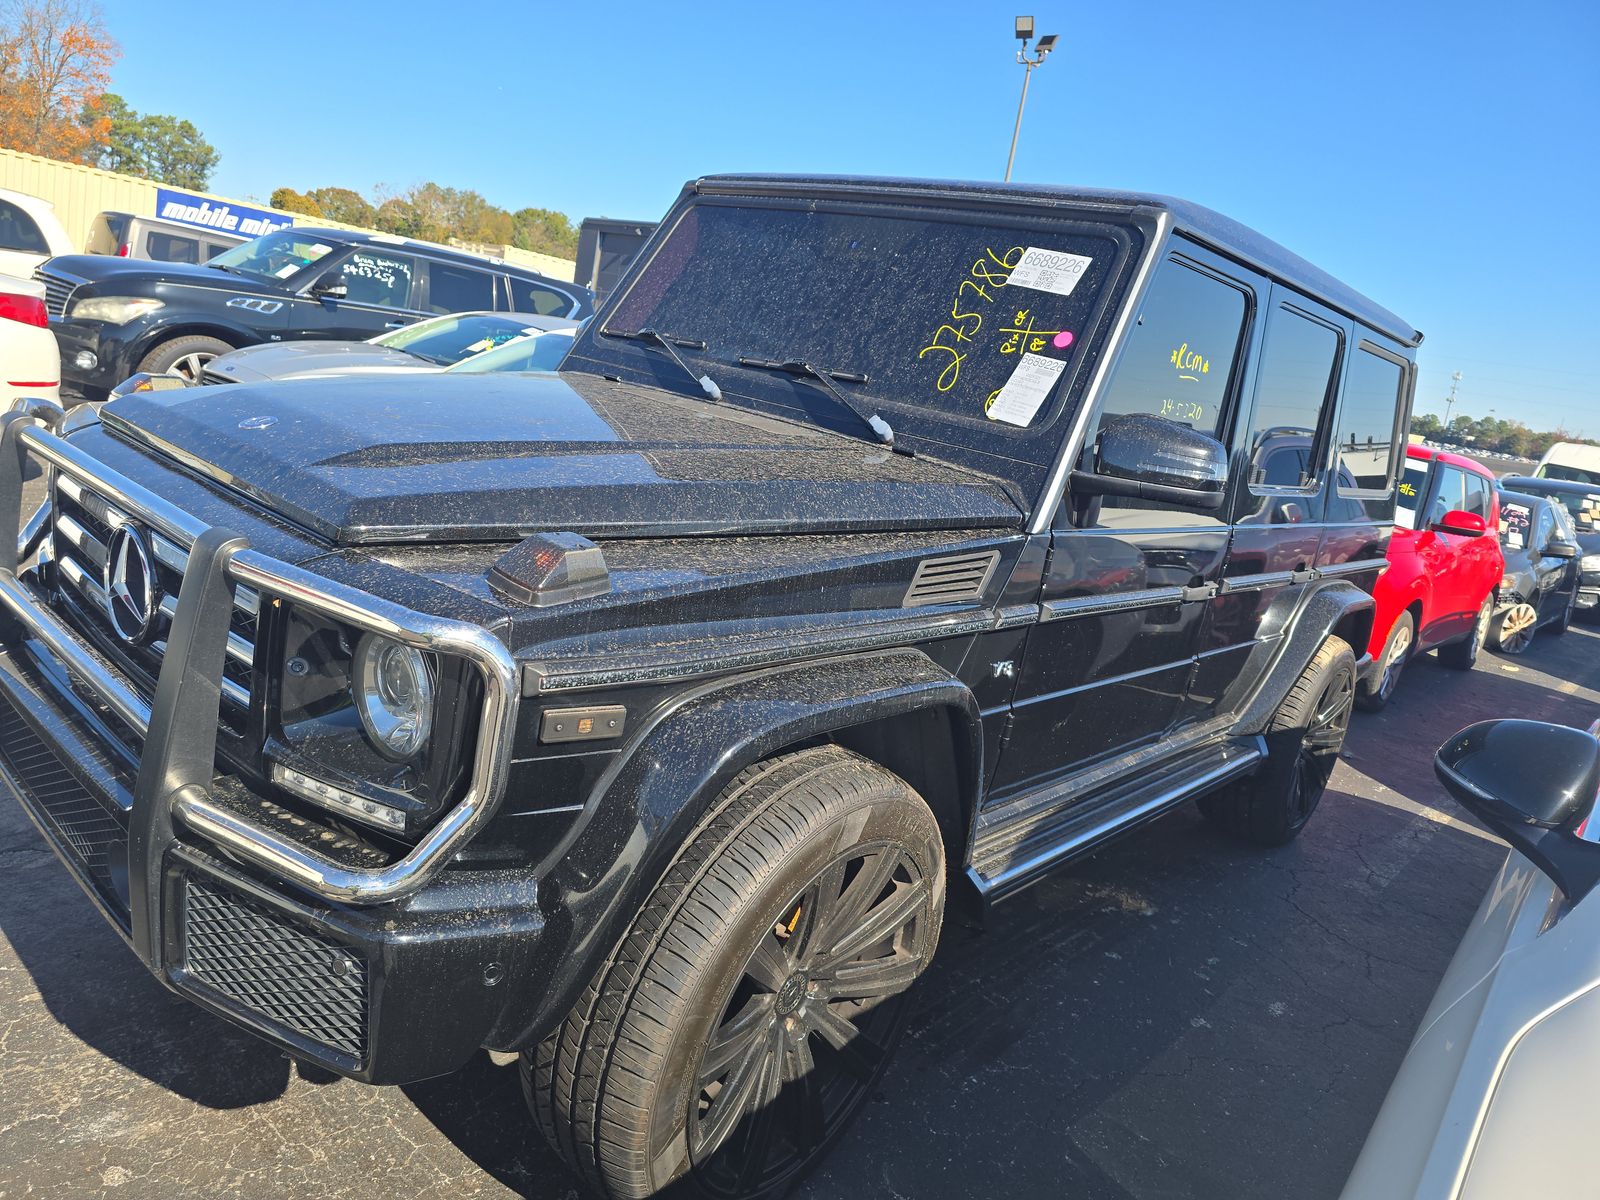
29, 233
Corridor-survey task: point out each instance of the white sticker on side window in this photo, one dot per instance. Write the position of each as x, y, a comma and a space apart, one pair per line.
1017, 403
1049, 271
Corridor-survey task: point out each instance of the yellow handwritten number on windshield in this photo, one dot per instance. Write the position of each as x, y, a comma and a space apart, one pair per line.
983, 276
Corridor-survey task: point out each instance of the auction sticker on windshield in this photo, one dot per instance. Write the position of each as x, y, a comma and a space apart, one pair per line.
1049, 270
1018, 401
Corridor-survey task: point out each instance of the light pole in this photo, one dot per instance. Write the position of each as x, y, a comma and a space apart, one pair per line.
1450, 400
1046, 44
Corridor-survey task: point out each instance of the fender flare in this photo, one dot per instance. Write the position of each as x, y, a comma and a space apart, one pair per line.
650, 801
179, 325
1324, 608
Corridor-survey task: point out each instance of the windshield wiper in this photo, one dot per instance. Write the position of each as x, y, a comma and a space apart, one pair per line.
880, 428
666, 341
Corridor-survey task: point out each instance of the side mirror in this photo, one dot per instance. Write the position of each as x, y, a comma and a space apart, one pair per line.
1152, 458
1557, 548
1460, 522
1532, 783
330, 287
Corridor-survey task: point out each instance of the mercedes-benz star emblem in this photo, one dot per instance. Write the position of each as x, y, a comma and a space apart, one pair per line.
131, 587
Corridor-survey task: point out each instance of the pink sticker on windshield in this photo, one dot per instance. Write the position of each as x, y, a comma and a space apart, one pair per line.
1063, 339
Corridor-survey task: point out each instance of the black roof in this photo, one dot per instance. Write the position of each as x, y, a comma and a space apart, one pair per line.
1522, 498
352, 237
1205, 225
1549, 487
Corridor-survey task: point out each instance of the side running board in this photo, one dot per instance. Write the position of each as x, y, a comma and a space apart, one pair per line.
1013, 852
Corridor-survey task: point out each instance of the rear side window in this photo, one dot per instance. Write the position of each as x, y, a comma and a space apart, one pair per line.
1181, 354
167, 247
1297, 372
19, 231
1367, 420
381, 279
527, 296
459, 289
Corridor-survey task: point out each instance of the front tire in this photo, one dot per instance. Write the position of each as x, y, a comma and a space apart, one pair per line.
185, 357
1303, 743
1374, 693
754, 1004
1514, 628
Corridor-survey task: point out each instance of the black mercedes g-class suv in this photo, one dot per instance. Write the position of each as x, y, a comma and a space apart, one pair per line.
115, 316
878, 542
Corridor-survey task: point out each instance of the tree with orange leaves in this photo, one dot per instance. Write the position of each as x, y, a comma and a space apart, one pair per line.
55, 64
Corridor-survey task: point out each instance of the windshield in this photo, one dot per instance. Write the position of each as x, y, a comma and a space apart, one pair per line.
964, 330
538, 351
1562, 471
1411, 484
447, 340
1582, 507
278, 255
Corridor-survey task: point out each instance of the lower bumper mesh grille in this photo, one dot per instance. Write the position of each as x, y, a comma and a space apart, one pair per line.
88, 829
287, 974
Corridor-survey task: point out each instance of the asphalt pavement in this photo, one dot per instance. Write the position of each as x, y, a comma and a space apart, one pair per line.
1176, 1017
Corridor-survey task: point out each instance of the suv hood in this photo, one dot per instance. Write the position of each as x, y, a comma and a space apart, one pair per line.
497, 457
97, 268
293, 360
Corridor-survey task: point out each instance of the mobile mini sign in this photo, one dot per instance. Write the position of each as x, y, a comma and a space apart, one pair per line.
229, 218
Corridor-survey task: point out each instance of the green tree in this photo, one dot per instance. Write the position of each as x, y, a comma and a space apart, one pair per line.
152, 146
343, 204
544, 231
289, 200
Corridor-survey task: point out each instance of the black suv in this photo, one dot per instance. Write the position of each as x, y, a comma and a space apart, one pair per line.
114, 316
880, 542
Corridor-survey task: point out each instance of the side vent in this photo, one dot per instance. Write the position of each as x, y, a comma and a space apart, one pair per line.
951, 580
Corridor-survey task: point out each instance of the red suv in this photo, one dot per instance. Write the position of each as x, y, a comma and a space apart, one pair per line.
1438, 591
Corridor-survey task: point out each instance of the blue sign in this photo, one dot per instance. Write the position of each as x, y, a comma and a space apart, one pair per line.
212, 214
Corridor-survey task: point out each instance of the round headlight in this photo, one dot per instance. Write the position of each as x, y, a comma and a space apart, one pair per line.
394, 695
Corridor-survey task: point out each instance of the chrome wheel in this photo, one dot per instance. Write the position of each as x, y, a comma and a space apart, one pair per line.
191, 366
1517, 627
1395, 662
811, 1021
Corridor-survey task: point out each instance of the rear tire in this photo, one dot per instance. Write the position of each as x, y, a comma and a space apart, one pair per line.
1377, 689
184, 357
1303, 742
1463, 655
1564, 622
752, 1007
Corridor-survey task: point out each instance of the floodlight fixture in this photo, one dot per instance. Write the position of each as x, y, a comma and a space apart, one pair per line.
1046, 44
1024, 28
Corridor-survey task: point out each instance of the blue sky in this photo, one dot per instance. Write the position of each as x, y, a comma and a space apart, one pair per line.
1441, 157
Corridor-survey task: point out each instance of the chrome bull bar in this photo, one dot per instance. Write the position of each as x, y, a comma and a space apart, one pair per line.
179, 727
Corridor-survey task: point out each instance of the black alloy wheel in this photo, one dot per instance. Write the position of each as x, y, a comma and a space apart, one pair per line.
811, 1022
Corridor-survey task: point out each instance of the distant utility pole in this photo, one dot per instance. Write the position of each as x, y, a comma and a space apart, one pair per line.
1046, 44
1450, 400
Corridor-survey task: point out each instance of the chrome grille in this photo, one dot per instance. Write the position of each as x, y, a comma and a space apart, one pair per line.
57, 291
283, 972
82, 530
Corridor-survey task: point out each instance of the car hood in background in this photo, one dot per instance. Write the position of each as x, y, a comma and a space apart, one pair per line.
438, 457
294, 360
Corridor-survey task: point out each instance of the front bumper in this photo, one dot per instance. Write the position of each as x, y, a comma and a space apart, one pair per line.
109, 345
383, 971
